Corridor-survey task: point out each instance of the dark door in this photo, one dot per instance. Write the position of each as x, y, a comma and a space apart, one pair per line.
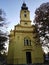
28, 57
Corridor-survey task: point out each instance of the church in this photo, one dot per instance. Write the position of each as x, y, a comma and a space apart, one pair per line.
24, 46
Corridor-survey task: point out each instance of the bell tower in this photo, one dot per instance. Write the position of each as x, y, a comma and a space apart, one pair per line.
25, 16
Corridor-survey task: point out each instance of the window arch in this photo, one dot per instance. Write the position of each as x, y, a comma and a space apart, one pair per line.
27, 41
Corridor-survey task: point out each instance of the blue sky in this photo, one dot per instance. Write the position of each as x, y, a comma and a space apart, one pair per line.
12, 9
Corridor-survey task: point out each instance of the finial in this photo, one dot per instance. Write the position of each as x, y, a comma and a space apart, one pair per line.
23, 1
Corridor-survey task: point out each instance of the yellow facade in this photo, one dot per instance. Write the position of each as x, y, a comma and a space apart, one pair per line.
23, 46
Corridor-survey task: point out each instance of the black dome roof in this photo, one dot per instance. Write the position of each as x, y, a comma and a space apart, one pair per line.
24, 7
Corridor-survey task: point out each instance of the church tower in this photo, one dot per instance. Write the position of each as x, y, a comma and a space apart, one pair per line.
25, 16
24, 46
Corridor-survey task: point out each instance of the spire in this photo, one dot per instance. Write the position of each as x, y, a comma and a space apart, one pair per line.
24, 7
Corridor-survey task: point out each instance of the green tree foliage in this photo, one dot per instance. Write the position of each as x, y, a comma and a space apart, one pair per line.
42, 23
3, 33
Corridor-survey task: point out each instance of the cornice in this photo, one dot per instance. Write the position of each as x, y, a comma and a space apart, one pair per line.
23, 31
25, 21
25, 26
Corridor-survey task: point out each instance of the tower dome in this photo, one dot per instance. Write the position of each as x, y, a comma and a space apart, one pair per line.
24, 7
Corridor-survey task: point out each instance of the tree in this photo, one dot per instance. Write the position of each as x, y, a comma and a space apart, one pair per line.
42, 23
3, 33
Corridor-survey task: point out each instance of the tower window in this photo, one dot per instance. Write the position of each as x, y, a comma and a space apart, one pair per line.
25, 23
27, 42
25, 11
25, 15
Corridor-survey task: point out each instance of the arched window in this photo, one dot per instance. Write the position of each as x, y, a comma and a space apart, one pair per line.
27, 42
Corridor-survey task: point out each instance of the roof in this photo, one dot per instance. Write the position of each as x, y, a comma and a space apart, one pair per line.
24, 7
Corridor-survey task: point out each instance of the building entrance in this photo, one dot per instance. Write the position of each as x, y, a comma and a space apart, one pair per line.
28, 57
